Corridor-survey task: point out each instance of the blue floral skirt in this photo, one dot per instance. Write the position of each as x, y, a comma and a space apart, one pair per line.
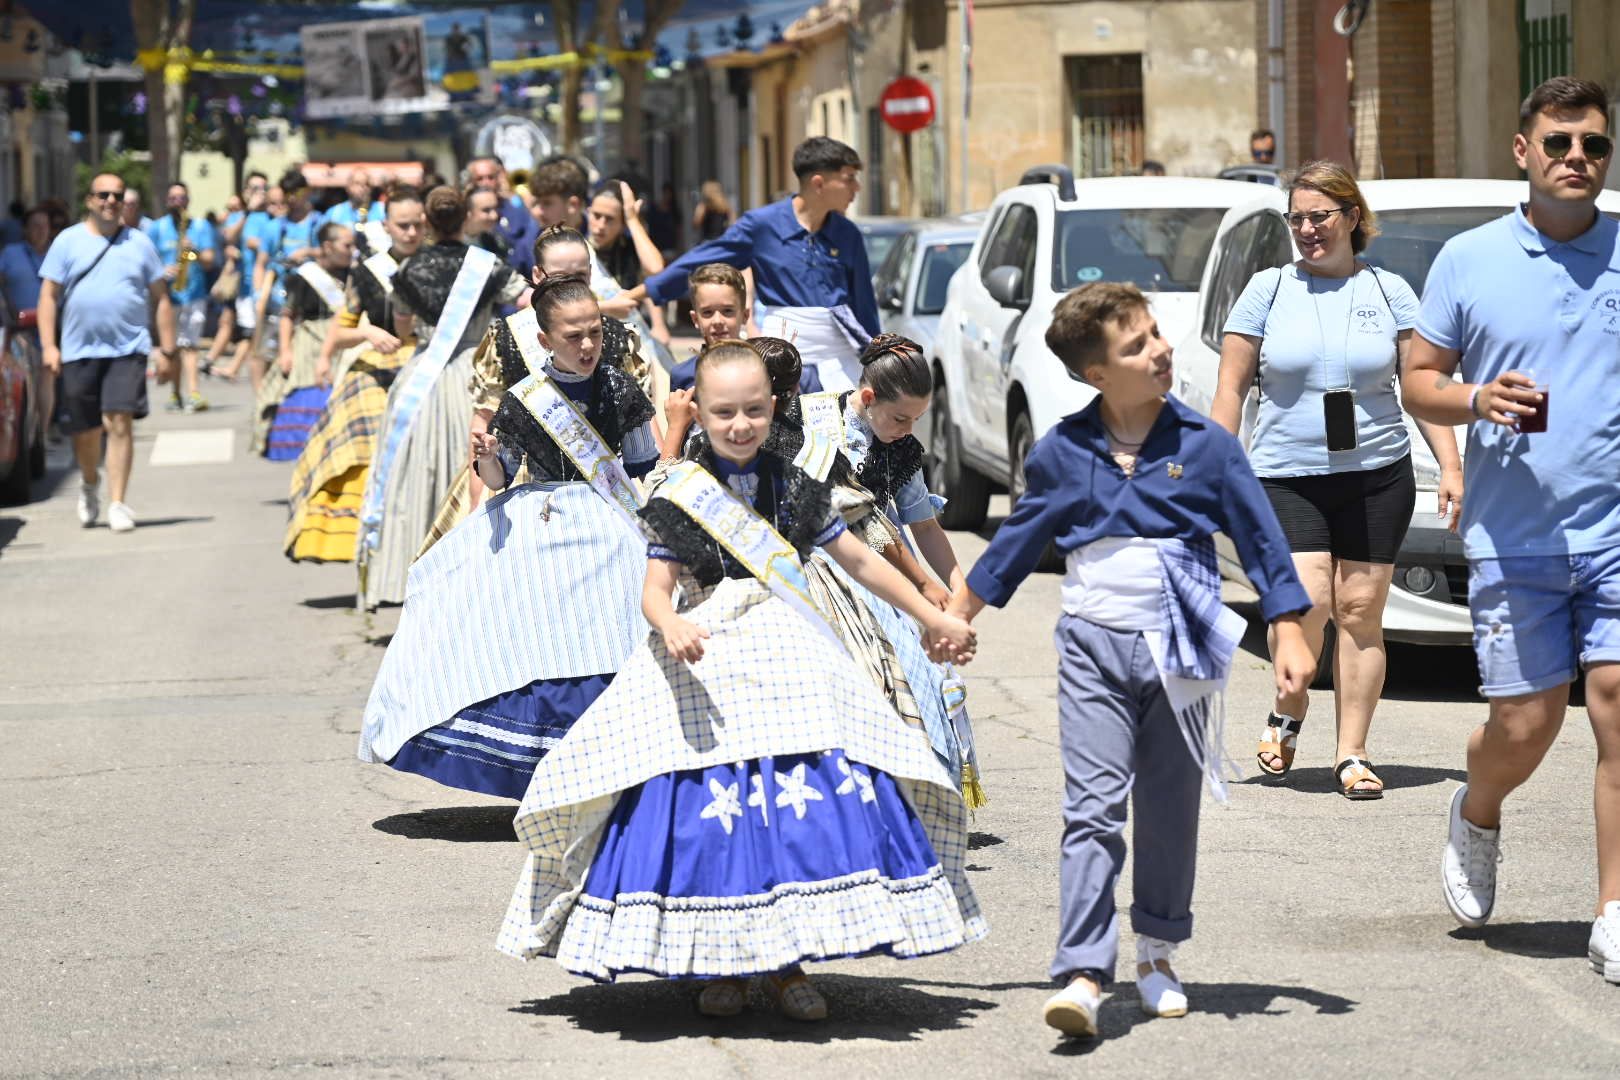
493, 746
735, 867
295, 418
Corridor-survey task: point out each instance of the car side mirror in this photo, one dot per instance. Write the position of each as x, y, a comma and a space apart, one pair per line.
891, 298
1006, 286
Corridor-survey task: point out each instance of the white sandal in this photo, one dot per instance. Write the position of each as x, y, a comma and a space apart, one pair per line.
1161, 991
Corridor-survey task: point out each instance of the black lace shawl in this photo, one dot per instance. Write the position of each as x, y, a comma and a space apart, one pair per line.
888, 465
797, 504
616, 407
423, 281
304, 302
615, 346
373, 296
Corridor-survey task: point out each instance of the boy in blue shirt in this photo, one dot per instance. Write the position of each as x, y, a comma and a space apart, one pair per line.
1131, 490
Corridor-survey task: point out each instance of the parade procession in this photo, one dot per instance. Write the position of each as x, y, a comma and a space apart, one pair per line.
733, 539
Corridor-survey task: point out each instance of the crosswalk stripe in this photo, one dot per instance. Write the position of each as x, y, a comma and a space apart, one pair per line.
211, 446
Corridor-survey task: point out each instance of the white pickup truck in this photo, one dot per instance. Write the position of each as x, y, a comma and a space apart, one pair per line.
1429, 603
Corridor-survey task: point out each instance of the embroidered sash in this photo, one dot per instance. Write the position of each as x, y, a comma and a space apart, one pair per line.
324, 284
377, 238
817, 455
383, 268
476, 266
749, 538
525, 327
573, 433
823, 416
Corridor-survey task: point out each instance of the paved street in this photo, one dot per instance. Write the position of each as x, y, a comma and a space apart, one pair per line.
199, 877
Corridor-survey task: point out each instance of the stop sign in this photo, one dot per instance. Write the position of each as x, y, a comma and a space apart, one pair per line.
907, 105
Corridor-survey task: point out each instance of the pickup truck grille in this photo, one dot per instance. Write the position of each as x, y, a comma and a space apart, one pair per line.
1457, 583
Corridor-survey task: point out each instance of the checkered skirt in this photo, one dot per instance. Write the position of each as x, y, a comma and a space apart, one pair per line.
769, 685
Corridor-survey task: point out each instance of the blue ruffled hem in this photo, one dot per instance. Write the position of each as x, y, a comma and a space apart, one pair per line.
493, 747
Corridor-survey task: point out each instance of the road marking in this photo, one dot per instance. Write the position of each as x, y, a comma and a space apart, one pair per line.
213, 446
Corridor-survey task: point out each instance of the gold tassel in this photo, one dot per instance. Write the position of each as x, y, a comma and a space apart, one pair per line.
973, 791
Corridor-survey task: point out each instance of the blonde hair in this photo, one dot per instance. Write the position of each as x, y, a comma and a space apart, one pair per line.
726, 351
1335, 181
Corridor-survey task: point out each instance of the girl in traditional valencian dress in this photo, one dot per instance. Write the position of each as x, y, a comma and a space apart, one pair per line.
742, 799
293, 389
519, 617
444, 298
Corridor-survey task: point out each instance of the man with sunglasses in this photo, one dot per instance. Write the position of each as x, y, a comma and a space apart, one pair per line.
108, 276
1528, 307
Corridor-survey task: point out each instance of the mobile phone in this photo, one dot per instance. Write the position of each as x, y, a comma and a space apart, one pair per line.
1339, 414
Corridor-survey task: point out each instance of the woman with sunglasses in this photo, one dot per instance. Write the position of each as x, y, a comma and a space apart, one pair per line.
1324, 338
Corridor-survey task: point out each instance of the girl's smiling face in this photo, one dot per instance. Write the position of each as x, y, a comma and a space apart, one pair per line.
734, 406
574, 337
892, 420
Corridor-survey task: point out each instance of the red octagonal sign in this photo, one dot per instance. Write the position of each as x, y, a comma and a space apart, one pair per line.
907, 105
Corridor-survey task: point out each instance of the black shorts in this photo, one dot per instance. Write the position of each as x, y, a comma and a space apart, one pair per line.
1357, 516
103, 384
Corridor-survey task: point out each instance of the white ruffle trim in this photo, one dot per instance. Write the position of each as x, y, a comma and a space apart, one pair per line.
737, 936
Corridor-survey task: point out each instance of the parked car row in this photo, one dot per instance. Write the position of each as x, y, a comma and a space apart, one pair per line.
1192, 245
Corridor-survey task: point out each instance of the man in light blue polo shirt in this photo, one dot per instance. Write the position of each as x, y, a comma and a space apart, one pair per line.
1529, 307
97, 284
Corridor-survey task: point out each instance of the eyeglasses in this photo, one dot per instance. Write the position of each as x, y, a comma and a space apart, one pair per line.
1317, 218
1594, 147
106, 195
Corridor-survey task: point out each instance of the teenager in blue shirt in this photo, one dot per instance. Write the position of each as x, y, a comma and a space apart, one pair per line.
190, 300
1131, 490
810, 271
1527, 307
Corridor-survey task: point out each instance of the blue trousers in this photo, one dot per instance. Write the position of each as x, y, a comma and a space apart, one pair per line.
1119, 737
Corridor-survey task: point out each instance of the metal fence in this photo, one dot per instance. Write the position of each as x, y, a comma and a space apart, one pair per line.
1106, 130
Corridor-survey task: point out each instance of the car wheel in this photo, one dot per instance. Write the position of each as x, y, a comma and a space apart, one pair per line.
967, 494
16, 488
1020, 442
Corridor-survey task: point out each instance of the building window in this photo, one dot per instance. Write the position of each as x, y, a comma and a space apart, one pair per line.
1544, 42
1105, 124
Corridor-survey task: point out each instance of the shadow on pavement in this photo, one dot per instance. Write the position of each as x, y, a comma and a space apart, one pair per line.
9, 528
455, 824
1395, 777
982, 840
890, 1010
341, 602
1121, 1010
1550, 940
158, 523
380, 642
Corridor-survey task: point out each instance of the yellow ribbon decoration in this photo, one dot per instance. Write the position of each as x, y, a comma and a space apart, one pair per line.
178, 63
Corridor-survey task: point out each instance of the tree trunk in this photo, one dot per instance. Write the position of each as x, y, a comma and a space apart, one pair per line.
163, 25
633, 75
565, 17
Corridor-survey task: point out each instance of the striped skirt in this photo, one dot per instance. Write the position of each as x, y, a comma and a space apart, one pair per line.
514, 623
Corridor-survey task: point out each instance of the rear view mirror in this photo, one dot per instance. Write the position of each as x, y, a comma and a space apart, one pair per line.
891, 298
1006, 286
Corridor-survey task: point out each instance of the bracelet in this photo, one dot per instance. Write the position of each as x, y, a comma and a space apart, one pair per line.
1473, 402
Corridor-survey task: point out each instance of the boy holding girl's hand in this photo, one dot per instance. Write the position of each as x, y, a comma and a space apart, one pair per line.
1131, 490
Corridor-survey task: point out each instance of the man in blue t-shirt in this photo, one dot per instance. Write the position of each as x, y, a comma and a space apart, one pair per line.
1528, 308
101, 278
188, 247
361, 213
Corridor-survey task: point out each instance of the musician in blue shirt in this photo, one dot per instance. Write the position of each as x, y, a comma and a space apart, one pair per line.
1131, 490
359, 211
175, 235
813, 282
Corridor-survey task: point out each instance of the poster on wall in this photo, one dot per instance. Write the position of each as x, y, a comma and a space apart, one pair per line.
389, 67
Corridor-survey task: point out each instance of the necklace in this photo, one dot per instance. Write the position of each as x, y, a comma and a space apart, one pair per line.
1122, 442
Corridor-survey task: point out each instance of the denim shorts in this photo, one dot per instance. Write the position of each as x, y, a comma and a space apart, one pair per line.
1539, 619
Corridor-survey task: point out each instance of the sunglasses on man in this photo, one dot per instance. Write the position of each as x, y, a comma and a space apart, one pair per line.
105, 195
1593, 147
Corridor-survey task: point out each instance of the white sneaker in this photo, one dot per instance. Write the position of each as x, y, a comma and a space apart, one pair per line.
89, 504
1161, 991
120, 518
1073, 1010
1604, 947
1468, 867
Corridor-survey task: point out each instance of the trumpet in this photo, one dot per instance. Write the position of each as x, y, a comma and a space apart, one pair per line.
188, 255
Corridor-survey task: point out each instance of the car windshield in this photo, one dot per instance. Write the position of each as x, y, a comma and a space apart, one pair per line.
1409, 240
1161, 248
939, 263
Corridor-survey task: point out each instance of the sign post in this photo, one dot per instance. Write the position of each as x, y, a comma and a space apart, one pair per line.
907, 105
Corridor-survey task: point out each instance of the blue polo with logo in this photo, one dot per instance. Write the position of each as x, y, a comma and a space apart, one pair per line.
1510, 299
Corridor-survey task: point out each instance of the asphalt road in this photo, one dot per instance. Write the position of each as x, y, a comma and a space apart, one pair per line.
197, 876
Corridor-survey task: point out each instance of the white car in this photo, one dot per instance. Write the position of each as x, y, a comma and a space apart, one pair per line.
1429, 603
997, 386
912, 281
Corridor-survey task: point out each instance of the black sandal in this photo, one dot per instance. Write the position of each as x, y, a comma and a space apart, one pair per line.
1355, 770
